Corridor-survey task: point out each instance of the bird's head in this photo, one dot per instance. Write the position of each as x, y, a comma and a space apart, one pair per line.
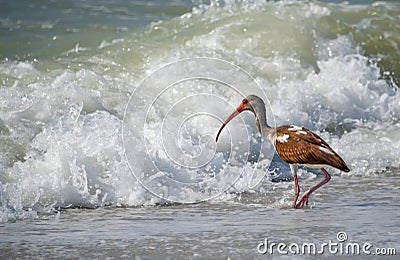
251, 102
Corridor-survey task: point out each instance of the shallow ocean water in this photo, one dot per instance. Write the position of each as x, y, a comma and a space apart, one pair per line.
217, 229
109, 111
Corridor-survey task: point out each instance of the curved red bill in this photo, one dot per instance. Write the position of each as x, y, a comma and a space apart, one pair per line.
235, 113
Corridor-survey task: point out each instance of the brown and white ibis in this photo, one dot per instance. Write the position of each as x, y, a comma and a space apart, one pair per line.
294, 145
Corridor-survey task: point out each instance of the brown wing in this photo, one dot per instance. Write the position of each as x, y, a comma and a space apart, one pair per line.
298, 145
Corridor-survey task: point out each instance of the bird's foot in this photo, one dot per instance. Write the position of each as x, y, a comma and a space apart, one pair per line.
303, 201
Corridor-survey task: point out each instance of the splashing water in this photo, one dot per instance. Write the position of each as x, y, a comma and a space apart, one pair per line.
131, 121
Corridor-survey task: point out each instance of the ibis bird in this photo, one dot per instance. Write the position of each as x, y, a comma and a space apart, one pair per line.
295, 145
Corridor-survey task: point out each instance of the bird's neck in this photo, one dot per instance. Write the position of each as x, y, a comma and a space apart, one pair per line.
265, 130
261, 123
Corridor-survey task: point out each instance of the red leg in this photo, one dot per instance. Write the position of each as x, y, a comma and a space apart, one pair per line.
296, 190
293, 168
304, 198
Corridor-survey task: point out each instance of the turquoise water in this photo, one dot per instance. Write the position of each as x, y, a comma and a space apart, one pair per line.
109, 111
